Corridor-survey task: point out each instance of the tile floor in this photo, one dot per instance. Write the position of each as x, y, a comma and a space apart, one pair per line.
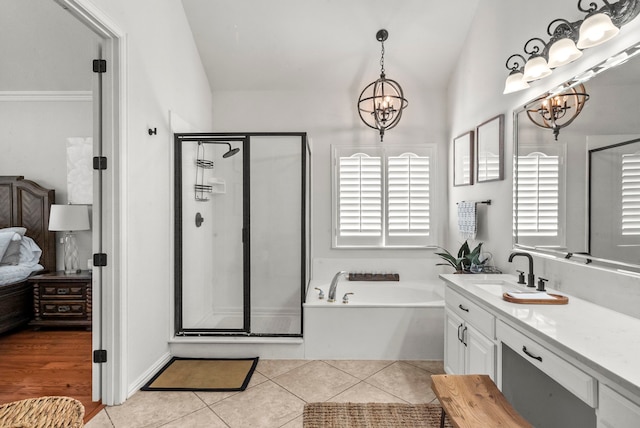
277, 394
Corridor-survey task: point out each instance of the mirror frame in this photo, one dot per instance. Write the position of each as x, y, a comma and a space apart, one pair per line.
614, 265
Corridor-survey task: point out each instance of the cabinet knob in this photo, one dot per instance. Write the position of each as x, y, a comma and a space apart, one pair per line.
463, 308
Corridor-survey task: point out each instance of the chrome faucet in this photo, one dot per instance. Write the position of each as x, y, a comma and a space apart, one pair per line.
530, 277
334, 285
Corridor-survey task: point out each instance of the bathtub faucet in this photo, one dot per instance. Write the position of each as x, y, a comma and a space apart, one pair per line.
334, 285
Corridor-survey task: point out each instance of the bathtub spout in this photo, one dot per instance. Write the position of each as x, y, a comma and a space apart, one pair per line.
334, 285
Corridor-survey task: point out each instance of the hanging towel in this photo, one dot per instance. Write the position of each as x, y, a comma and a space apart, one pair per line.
467, 219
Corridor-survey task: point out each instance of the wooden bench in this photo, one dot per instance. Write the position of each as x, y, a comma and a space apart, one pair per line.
474, 401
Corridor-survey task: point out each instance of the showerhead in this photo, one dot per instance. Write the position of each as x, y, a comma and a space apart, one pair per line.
227, 154
231, 152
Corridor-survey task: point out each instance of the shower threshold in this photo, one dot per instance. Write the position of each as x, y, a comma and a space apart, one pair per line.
262, 324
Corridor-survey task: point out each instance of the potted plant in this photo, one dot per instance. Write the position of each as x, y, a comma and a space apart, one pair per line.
466, 257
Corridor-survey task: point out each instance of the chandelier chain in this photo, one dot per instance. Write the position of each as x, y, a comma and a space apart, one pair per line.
382, 58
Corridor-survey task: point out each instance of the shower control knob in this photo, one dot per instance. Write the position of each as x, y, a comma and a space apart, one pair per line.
345, 298
320, 294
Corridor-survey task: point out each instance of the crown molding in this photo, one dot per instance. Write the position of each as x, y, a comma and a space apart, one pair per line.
45, 96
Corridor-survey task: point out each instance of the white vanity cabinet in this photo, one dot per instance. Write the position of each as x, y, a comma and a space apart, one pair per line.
469, 337
615, 411
559, 365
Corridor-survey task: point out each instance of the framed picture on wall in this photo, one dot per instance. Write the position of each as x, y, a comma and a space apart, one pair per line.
463, 159
490, 150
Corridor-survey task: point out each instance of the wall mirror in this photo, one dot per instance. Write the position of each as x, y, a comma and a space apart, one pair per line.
578, 196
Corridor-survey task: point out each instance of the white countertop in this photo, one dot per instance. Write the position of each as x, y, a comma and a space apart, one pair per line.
605, 341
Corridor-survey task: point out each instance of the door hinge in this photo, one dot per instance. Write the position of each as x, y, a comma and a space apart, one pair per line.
100, 259
100, 356
100, 163
99, 66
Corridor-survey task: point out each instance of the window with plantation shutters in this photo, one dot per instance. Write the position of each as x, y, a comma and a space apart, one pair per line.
631, 194
382, 196
537, 202
408, 197
360, 196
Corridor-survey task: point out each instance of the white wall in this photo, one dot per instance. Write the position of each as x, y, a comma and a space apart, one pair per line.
500, 29
43, 48
33, 142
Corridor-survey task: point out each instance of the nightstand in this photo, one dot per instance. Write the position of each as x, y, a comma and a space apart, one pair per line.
62, 300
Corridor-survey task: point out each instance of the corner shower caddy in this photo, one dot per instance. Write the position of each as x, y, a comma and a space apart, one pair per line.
202, 165
215, 185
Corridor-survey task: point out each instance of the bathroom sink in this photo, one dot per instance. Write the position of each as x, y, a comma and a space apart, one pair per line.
496, 286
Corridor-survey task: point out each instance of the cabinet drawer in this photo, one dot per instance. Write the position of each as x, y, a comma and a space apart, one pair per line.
62, 309
62, 291
573, 379
482, 320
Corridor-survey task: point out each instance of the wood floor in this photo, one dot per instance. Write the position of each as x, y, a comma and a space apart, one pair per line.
47, 362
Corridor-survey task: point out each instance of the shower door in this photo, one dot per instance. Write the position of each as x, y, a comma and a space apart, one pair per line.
240, 241
276, 238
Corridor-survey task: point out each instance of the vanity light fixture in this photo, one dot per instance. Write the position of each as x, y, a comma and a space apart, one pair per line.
568, 38
536, 67
381, 102
597, 27
562, 45
515, 82
557, 111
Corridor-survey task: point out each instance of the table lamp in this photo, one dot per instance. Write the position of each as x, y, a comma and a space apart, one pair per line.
69, 218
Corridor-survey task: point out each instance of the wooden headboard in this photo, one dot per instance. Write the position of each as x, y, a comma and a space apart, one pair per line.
27, 204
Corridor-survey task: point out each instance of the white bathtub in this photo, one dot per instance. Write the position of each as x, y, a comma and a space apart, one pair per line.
384, 320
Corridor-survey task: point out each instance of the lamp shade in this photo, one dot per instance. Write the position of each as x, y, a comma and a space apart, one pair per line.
69, 218
536, 68
595, 30
515, 82
563, 52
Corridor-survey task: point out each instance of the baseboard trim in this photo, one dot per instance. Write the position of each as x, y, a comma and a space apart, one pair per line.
148, 374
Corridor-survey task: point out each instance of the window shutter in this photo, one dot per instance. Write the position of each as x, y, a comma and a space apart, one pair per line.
360, 196
631, 194
537, 200
408, 195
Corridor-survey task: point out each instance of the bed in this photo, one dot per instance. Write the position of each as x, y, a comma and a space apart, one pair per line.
24, 205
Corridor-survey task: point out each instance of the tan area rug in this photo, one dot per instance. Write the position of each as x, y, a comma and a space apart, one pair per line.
371, 415
203, 374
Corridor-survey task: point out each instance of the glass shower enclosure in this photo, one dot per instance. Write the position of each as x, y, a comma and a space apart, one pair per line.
241, 233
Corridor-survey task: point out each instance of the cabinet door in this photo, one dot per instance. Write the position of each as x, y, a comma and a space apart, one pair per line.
453, 347
615, 411
480, 353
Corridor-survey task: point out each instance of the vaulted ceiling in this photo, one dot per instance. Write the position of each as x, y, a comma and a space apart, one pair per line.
281, 45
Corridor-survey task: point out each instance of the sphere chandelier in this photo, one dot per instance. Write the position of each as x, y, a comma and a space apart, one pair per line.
381, 102
557, 111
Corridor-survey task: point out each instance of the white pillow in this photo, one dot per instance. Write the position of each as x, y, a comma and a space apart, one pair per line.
9, 247
29, 252
19, 230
